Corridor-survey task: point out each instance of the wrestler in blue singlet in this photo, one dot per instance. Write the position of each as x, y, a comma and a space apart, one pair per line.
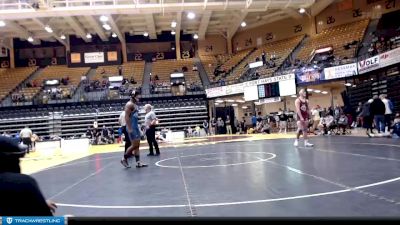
135, 134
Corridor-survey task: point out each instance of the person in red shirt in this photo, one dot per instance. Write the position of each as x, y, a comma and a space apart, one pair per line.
303, 116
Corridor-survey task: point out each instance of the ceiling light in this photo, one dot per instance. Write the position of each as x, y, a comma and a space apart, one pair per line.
191, 15
372, 78
309, 89
240, 101
219, 100
230, 100
48, 29
63, 37
216, 103
234, 104
145, 34
302, 10
88, 35
103, 18
354, 86
106, 26
243, 24
172, 32
324, 92
2, 23
114, 35
30, 39
317, 91
195, 36
294, 96
347, 84
173, 24
244, 107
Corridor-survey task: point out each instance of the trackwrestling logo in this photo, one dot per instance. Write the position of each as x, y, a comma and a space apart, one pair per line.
33, 220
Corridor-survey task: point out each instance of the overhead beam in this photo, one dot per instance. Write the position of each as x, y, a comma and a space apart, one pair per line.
205, 20
151, 26
151, 8
319, 6
74, 23
99, 30
121, 37
54, 34
293, 13
24, 33
236, 24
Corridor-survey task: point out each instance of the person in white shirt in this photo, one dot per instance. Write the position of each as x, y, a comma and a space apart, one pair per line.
26, 135
122, 123
388, 111
151, 121
327, 123
316, 118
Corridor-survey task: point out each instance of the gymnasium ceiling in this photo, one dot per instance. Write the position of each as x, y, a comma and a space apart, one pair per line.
136, 17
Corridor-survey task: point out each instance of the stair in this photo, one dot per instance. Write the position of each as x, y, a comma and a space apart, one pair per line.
202, 72
146, 78
373, 24
241, 63
81, 92
293, 55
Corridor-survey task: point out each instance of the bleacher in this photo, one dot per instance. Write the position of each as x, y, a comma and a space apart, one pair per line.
129, 70
209, 63
55, 72
73, 120
163, 69
280, 49
335, 37
12, 78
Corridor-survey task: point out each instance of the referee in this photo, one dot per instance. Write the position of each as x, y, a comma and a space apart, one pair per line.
150, 121
122, 123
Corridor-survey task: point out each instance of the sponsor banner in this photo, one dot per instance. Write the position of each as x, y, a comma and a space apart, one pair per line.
368, 65
94, 57
309, 74
20, 220
239, 88
340, 71
270, 100
389, 58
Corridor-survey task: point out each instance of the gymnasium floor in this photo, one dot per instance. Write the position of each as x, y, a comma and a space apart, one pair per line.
246, 176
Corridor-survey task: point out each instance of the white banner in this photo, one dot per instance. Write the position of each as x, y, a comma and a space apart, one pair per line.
94, 57
369, 64
3, 52
270, 100
251, 93
389, 58
340, 71
239, 88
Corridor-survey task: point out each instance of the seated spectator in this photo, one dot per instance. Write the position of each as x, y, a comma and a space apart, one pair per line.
396, 126
14, 185
327, 123
343, 122
194, 67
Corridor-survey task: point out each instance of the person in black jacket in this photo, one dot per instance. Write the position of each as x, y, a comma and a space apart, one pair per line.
15, 186
377, 110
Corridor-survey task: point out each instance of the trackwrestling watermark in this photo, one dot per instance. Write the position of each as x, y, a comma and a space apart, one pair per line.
18, 220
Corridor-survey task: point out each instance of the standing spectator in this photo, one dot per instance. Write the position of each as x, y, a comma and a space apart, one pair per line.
243, 125
14, 185
213, 124
189, 132
315, 118
237, 125
26, 135
228, 125
150, 123
359, 121
377, 109
388, 110
205, 127
366, 116
120, 70
254, 121
283, 118
264, 58
220, 124
34, 139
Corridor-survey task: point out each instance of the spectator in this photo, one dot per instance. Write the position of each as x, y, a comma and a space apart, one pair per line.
213, 124
254, 121
26, 135
14, 185
243, 125
220, 124
343, 122
315, 118
189, 132
228, 125
388, 110
283, 118
377, 110
396, 126
327, 123
205, 127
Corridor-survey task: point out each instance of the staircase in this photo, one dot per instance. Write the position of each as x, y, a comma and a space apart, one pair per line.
293, 55
81, 92
202, 72
146, 78
373, 24
241, 63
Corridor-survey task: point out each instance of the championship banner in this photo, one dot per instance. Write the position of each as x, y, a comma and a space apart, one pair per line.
336, 72
308, 75
94, 57
368, 65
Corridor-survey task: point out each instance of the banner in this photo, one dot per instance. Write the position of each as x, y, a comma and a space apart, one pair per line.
340, 71
389, 58
75, 57
112, 56
368, 65
239, 88
309, 74
94, 57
